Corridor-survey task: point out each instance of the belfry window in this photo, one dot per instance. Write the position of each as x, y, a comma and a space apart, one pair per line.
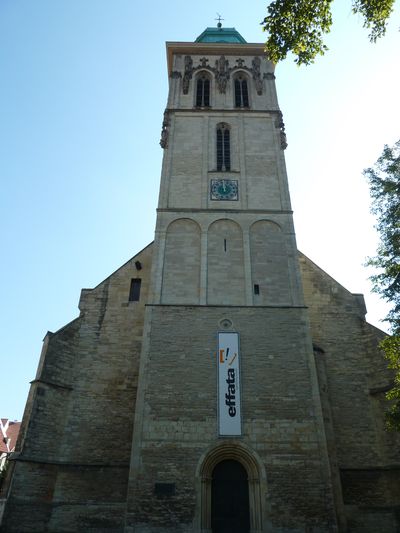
223, 148
241, 92
203, 91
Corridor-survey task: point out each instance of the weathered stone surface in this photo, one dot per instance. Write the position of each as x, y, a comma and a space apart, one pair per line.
72, 469
80, 476
125, 397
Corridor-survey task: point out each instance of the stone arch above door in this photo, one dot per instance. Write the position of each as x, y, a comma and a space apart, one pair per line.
250, 460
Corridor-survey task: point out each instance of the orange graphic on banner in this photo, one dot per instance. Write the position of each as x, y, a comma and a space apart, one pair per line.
221, 356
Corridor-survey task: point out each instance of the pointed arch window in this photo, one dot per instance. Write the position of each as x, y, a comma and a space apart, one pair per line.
223, 147
203, 90
241, 91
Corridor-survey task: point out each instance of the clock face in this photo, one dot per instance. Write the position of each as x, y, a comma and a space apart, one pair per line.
224, 189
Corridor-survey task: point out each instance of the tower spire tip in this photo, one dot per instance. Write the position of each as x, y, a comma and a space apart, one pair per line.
219, 18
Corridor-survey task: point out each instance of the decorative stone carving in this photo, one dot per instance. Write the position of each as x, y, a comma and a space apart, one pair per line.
165, 130
256, 64
281, 125
269, 76
176, 74
187, 76
222, 73
283, 140
203, 62
256, 70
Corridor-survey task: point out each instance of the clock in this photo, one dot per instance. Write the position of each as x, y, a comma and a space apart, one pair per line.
224, 189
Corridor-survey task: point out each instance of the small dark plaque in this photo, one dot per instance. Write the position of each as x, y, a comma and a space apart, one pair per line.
164, 489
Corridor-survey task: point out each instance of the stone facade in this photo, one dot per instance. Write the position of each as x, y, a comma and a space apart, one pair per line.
75, 439
145, 365
86, 383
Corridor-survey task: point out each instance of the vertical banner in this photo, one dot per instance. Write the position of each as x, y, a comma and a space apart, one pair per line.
229, 418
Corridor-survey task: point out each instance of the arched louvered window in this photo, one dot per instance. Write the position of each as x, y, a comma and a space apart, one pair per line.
223, 147
241, 92
203, 90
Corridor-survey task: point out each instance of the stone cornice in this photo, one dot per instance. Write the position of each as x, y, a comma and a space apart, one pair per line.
213, 49
51, 384
222, 210
18, 456
252, 307
208, 110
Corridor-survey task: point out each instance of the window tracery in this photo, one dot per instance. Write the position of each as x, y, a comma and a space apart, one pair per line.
241, 91
203, 90
223, 147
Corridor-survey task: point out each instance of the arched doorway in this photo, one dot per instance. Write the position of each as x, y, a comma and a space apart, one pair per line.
208, 471
230, 511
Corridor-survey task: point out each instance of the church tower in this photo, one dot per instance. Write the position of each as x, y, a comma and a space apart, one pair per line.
228, 425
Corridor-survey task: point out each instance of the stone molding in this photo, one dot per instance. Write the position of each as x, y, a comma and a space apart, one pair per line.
249, 459
281, 125
224, 110
17, 456
214, 49
165, 129
51, 384
222, 72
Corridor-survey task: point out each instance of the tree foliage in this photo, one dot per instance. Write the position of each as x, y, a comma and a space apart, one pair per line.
384, 180
391, 349
299, 26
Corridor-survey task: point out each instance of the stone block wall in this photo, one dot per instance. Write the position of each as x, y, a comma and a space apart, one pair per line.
353, 377
178, 416
190, 161
71, 470
75, 470
217, 258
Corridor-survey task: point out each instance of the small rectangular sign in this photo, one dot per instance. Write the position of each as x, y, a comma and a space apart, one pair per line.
229, 384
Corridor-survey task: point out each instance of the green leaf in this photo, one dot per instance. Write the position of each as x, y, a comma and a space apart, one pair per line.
384, 181
299, 26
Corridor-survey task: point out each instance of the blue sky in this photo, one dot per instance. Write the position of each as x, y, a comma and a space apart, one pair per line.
82, 93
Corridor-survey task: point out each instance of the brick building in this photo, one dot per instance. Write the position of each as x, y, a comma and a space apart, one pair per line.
8, 434
245, 383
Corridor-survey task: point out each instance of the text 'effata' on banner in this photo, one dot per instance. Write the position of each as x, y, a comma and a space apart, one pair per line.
229, 384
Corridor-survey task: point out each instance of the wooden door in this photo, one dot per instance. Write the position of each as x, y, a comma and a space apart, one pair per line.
230, 498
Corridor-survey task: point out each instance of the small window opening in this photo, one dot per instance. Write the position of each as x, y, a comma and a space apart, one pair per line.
134, 293
224, 245
256, 288
164, 489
